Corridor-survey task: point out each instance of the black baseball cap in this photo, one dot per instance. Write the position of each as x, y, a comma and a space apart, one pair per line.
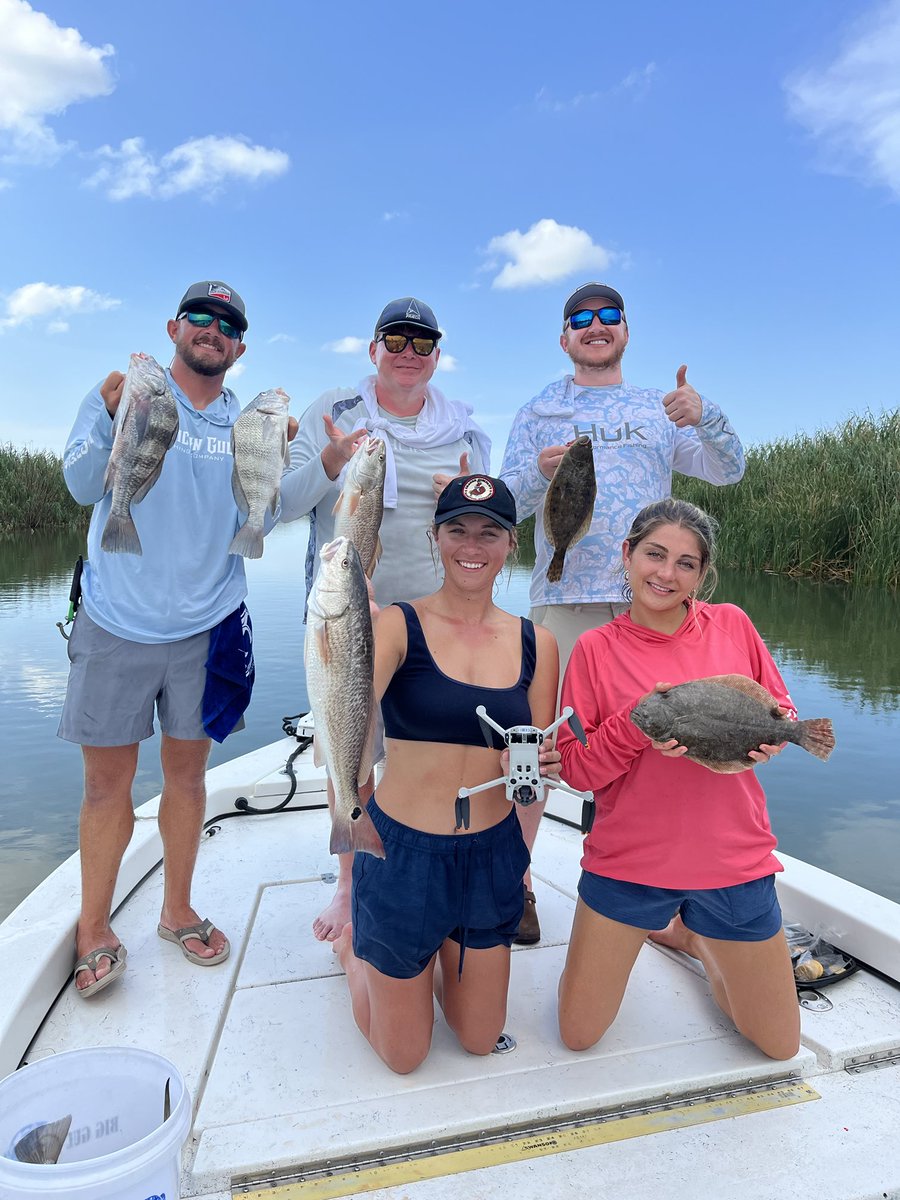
407, 311
481, 494
587, 292
213, 291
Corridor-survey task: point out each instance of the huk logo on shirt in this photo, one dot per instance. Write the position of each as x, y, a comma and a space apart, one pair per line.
599, 433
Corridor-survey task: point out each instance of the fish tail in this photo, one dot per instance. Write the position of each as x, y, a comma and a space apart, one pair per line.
816, 736
555, 570
248, 541
120, 535
364, 835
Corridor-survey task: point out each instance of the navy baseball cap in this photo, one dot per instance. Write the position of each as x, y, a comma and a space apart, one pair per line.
212, 291
480, 494
407, 311
588, 292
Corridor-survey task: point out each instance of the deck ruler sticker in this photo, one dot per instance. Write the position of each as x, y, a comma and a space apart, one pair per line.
449, 1160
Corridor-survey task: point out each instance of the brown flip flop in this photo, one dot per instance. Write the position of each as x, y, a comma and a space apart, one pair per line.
201, 932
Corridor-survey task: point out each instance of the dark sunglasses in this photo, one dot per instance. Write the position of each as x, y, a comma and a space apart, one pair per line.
203, 320
585, 316
396, 343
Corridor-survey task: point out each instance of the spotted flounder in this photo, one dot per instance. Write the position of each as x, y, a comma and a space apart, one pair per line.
569, 503
722, 718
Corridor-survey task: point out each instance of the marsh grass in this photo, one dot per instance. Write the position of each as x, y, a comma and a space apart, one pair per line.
33, 493
825, 505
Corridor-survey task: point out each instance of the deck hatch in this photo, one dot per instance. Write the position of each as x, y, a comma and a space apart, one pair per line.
336, 1178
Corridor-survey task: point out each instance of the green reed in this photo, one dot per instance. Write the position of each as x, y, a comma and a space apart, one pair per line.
33, 493
823, 505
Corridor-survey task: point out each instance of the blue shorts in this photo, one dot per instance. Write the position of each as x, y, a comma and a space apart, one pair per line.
434, 886
745, 912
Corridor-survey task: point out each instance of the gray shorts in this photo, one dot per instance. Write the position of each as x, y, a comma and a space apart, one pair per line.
114, 685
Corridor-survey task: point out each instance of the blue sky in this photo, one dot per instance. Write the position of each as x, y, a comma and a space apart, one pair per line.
733, 169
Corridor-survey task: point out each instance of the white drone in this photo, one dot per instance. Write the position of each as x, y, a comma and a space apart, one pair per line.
524, 782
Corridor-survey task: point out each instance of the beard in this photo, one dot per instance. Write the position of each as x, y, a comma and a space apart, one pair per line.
590, 360
200, 364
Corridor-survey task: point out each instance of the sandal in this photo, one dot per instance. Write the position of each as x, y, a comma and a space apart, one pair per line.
91, 961
529, 930
201, 932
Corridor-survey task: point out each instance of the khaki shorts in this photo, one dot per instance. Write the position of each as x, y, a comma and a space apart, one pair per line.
115, 684
567, 622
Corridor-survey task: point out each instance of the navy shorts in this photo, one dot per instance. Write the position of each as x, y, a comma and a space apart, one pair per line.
745, 912
434, 886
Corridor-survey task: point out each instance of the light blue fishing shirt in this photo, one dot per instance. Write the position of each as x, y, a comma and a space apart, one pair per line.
185, 581
636, 449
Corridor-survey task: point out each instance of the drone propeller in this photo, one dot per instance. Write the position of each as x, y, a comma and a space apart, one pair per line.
578, 729
487, 731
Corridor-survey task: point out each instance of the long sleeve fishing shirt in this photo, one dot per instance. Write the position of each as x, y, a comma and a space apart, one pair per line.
185, 581
636, 449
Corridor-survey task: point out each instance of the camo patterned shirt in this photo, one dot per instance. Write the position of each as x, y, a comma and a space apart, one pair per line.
636, 449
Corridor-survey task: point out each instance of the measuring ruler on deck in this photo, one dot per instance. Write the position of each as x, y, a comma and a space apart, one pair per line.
477, 1153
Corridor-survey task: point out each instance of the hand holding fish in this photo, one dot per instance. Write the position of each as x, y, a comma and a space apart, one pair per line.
440, 481
765, 752
341, 447
683, 406
550, 458
111, 390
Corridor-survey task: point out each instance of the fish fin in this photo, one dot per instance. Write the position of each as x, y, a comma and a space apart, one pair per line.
120, 536
174, 431
109, 478
364, 836
376, 557
555, 570
148, 483
367, 761
319, 748
248, 541
276, 499
743, 683
237, 490
722, 768
816, 736
321, 636
287, 451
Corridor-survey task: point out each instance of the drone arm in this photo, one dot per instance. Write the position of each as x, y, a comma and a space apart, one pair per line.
482, 787
481, 713
551, 781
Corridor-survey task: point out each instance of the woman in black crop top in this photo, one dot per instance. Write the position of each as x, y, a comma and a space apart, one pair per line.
437, 915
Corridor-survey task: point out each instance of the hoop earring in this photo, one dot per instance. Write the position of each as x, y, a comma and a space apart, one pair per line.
627, 577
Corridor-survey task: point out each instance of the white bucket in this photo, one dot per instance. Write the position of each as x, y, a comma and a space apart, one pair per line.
119, 1147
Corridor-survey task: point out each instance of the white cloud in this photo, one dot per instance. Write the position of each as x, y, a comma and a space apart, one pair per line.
51, 302
398, 215
447, 362
236, 370
851, 105
204, 165
635, 84
545, 253
44, 68
347, 345
281, 337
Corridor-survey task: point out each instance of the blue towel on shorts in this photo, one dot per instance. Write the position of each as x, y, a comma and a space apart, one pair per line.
230, 673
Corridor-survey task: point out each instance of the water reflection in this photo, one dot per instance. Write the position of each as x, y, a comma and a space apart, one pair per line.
839, 652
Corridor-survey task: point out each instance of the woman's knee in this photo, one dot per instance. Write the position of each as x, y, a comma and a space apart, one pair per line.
403, 1056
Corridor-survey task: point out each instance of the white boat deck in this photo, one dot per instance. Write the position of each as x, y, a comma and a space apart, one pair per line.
282, 1080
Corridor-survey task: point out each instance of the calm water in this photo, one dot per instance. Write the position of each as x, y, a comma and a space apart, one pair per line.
839, 652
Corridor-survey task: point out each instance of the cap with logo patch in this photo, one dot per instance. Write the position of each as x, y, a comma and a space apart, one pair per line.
213, 291
407, 311
588, 292
479, 494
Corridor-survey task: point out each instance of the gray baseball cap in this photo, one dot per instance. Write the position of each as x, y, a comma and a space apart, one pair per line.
213, 291
587, 292
407, 311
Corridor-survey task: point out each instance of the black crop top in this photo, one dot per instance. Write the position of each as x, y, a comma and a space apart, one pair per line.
422, 704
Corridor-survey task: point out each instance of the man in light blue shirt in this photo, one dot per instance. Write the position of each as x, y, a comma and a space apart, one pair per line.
639, 437
142, 634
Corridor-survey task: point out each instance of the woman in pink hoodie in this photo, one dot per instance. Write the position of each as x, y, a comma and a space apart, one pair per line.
675, 847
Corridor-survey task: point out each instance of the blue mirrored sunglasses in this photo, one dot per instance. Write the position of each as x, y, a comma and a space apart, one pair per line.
607, 316
203, 320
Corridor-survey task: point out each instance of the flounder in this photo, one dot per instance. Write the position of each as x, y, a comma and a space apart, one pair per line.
569, 503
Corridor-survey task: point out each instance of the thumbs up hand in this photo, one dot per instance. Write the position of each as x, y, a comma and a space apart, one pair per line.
440, 481
683, 406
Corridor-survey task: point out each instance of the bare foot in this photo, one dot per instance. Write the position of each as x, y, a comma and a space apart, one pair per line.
331, 921
676, 936
342, 945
